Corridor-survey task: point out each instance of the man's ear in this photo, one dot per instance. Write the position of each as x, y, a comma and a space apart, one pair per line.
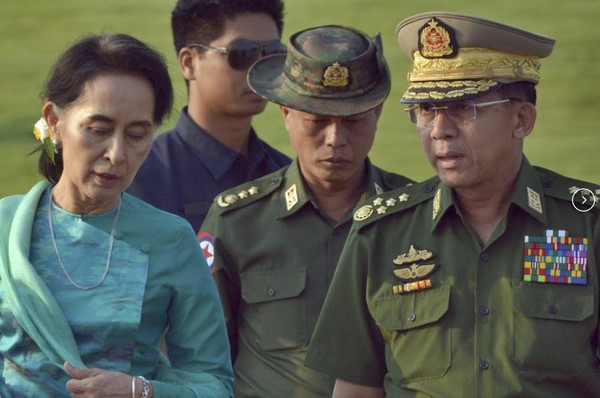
284, 110
187, 57
525, 117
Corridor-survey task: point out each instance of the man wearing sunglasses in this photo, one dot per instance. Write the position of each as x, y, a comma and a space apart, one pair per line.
484, 280
277, 239
213, 147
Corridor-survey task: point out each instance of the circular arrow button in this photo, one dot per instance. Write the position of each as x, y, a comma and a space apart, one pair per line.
583, 200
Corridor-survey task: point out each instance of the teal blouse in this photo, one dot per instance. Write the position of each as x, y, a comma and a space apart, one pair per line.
157, 277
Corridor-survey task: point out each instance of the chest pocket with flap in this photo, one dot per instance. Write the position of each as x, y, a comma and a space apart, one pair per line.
417, 326
274, 311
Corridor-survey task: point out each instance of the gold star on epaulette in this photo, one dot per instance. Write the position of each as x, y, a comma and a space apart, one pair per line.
390, 202
404, 197
377, 201
243, 194
253, 190
381, 210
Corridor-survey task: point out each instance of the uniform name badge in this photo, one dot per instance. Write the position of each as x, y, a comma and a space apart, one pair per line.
555, 258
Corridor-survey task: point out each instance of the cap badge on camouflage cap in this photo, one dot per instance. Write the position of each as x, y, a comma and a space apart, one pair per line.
436, 40
336, 75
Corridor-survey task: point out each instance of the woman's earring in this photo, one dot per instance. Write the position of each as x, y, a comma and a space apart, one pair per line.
55, 143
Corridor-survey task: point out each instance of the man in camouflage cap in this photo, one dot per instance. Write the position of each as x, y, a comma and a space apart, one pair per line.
482, 281
275, 241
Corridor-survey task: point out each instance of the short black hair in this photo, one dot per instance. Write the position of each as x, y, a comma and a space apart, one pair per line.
525, 91
93, 55
202, 21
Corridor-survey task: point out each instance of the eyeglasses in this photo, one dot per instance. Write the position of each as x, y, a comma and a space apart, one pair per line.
426, 113
241, 54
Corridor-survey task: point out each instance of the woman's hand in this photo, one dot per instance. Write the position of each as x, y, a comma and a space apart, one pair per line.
97, 383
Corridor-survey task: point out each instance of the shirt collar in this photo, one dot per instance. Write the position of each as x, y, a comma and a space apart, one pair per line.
528, 194
215, 156
296, 194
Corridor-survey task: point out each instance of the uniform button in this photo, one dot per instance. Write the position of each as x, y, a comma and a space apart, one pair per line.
275, 180
483, 310
484, 365
484, 256
427, 188
145, 248
552, 309
118, 235
271, 291
412, 317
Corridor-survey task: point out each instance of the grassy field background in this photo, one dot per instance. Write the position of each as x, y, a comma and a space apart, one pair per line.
566, 137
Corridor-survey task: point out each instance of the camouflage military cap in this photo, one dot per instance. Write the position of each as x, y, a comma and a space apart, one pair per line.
328, 70
457, 56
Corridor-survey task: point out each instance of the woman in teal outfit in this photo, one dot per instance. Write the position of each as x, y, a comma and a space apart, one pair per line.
91, 277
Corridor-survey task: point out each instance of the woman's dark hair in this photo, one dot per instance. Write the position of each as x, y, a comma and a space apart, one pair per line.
99, 54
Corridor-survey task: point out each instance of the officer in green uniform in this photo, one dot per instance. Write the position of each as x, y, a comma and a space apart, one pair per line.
275, 242
481, 281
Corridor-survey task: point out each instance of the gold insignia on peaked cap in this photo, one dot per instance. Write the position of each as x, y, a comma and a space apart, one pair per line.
412, 256
436, 40
291, 197
363, 213
534, 200
458, 56
336, 75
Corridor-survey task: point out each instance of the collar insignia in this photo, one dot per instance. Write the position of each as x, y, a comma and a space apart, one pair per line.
291, 197
534, 201
378, 189
335, 75
413, 275
437, 204
437, 40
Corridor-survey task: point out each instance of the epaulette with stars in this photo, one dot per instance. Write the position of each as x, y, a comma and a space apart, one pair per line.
247, 193
391, 202
561, 187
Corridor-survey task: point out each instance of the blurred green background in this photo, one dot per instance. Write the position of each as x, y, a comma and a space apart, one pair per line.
33, 33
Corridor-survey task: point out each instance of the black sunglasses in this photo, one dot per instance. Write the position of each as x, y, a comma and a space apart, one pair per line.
241, 54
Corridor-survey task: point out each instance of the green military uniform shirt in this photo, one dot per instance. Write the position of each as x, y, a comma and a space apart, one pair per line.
275, 254
419, 306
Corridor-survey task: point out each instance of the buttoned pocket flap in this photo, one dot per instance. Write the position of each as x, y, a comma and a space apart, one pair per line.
553, 301
415, 309
269, 285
